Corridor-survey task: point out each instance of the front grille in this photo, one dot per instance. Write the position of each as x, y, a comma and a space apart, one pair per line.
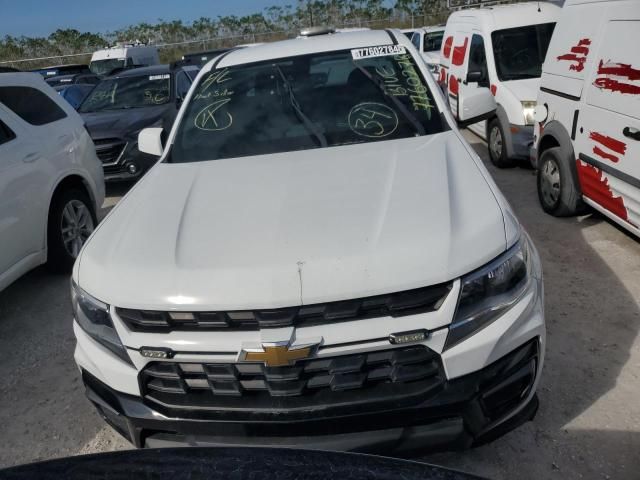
410, 302
369, 378
109, 149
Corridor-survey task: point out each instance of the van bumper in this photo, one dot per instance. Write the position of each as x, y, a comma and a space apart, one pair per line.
521, 141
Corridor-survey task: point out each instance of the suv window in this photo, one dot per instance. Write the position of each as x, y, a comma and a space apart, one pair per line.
6, 134
183, 83
31, 105
478, 59
298, 103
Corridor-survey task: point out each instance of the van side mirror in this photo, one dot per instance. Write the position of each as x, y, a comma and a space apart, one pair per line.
475, 76
475, 105
150, 141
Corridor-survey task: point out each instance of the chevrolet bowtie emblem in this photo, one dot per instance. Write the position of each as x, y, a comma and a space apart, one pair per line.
277, 355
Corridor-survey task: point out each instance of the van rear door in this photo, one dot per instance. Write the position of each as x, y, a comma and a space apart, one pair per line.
457, 66
608, 140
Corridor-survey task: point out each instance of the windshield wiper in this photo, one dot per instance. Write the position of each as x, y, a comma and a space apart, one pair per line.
301, 115
407, 114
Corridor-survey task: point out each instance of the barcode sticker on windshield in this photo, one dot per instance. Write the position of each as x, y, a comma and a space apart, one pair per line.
380, 51
159, 77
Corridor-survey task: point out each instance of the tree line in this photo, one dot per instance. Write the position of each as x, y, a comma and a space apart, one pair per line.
205, 33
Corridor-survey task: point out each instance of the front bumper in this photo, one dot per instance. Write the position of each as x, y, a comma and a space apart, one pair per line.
460, 413
521, 138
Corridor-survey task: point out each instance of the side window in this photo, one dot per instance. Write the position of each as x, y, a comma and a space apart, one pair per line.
415, 39
478, 59
183, 85
31, 105
6, 135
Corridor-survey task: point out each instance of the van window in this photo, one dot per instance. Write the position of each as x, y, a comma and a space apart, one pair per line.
31, 105
519, 52
183, 84
478, 59
433, 41
6, 134
415, 39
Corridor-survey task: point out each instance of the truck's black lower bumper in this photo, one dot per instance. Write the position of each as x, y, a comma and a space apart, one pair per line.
465, 411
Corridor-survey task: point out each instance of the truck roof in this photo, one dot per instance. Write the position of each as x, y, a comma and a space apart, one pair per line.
307, 45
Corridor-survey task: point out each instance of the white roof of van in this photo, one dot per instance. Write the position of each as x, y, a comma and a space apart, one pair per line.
510, 15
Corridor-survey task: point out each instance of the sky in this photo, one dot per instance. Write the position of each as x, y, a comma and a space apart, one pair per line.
33, 18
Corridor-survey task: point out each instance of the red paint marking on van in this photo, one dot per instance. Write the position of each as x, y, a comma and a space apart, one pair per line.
609, 142
460, 52
619, 70
453, 85
442, 76
494, 89
446, 49
595, 186
616, 86
578, 55
608, 156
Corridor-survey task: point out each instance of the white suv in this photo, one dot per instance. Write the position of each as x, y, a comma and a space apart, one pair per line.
51, 182
318, 254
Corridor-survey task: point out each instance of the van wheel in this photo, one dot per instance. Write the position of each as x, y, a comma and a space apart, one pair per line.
557, 190
497, 147
71, 221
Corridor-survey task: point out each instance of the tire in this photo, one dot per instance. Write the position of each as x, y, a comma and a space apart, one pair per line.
496, 145
558, 192
71, 215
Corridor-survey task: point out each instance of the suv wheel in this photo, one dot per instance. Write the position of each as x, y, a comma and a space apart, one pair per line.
557, 190
71, 221
497, 147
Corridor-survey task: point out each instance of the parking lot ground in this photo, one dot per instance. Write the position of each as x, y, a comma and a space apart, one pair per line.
588, 425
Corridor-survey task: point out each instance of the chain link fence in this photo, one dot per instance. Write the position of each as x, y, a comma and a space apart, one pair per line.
172, 51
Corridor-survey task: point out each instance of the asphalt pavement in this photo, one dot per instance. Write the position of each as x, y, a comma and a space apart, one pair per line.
588, 425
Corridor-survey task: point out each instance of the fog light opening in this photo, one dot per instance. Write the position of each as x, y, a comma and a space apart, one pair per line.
132, 168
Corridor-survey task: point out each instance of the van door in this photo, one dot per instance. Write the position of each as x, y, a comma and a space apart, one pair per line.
608, 140
477, 64
457, 67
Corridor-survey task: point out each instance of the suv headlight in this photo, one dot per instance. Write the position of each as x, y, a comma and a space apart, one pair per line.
489, 292
93, 317
528, 109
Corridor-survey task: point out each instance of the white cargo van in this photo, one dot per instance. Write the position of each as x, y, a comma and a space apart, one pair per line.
588, 115
105, 61
501, 47
428, 41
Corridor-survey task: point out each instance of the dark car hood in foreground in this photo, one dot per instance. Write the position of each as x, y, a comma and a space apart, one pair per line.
227, 463
122, 123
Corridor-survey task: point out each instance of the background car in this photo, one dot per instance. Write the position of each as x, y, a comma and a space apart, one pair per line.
51, 183
70, 69
75, 93
125, 103
72, 79
428, 41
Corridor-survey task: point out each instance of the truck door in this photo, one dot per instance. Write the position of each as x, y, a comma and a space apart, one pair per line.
608, 138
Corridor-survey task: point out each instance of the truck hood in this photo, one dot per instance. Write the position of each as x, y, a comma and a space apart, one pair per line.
524, 90
296, 228
122, 123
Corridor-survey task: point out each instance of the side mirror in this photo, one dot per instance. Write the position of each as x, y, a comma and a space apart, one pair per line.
475, 105
475, 76
150, 141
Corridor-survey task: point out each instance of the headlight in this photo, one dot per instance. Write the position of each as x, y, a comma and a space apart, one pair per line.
528, 109
93, 317
489, 292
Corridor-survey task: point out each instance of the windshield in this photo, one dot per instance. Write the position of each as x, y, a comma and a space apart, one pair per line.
433, 41
305, 102
105, 67
128, 92
519, 52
